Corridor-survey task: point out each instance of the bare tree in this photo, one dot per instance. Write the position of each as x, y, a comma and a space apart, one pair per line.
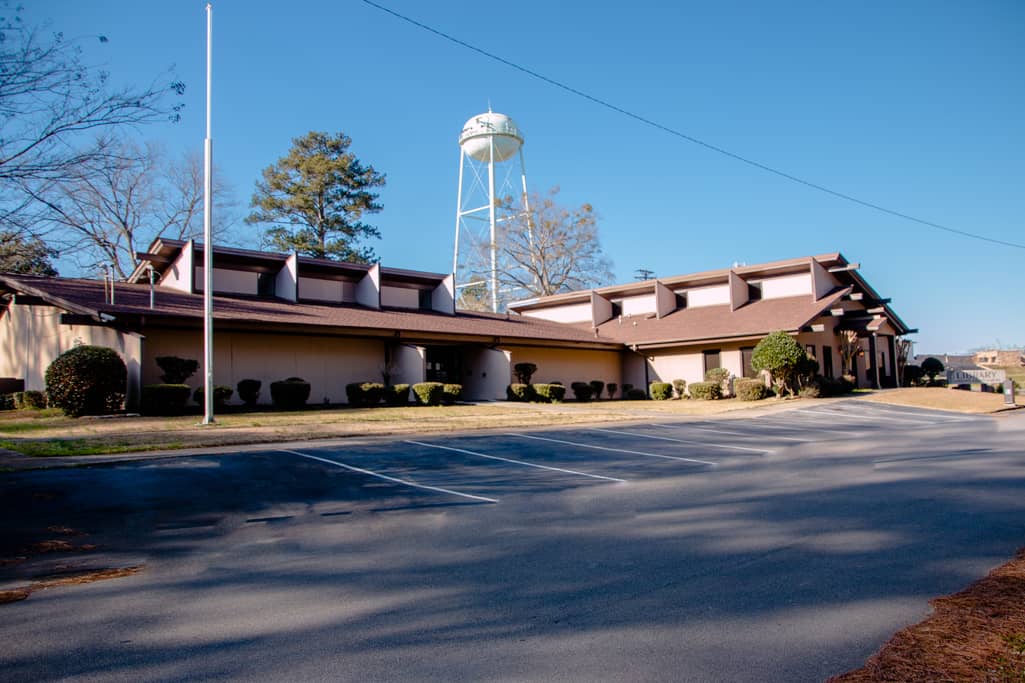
551, 248
849, 349
106, 210
903, 346
57, 113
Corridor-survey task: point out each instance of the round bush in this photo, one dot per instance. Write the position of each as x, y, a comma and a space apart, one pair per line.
519, 393
397, 395
705, 391
661, 391
551, 393
290, 393
597, 386
581, 391
428, 393
611, 389
781, 355
750, 389
635, 394
164, 399
249, 391
176, 370
354, 393
222, 395
450, 393
373, 392
87, 380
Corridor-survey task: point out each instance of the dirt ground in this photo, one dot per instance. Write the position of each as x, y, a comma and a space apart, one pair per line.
941, 398
977, 635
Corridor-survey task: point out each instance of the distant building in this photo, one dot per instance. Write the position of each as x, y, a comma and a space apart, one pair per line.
1012, 358
331, 323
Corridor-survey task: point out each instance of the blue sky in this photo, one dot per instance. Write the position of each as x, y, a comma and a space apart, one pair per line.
916, 106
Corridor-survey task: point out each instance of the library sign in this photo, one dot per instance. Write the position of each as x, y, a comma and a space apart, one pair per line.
975, 377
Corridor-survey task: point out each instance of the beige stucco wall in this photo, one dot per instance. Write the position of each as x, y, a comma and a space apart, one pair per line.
786, 285
716, 295
665, 365
229, 281
31, 337
328, 364
570, 313
637, 305
570, 365
486, 373
400, 297
410, 364
334, 291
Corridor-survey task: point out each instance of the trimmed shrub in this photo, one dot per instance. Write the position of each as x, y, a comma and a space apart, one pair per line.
373, 393
661, 391
913, 375
750, 389
781, 355
87, 380
429, 393
627, 388
164, 399
581, 391
680, 387
354, 393
397, 395
222, 395
932, 367
635, 394
450, 393
550, 393
291, 393
29, 400
249, 391
176, 370
523, 372
521, 393
717, 375
611, 388
597, 387
6, 401
812, 389
706, 391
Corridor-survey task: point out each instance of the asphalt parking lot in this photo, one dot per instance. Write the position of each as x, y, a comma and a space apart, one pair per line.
786, 547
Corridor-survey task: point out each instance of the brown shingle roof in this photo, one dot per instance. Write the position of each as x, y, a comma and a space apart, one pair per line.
692, 325
132, 302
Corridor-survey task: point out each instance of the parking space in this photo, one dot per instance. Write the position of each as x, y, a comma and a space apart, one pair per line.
486, 469
782, 547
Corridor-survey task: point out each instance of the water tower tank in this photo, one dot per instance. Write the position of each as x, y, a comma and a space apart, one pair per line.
476, 133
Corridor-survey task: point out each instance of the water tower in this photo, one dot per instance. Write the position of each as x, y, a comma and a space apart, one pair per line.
489, 148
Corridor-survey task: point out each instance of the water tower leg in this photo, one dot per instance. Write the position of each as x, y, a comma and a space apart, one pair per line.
459, 217
491, 213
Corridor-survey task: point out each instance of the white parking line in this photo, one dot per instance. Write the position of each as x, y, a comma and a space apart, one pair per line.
719, 430
517, 462
868, 418
688, 441
392, 479
614, 450
800, 428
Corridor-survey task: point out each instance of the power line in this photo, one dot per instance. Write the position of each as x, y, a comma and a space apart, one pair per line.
689, 138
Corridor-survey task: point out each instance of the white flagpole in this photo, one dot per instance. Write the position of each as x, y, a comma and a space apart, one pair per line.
208, 242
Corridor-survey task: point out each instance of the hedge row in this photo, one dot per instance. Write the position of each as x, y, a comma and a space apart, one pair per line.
536, 393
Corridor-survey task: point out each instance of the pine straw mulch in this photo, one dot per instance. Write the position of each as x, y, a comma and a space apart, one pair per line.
975, 635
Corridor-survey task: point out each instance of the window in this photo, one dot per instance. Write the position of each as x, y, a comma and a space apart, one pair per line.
827, 361
746, 353
266, 284
681, 300
712, 360
426, 300
754, 292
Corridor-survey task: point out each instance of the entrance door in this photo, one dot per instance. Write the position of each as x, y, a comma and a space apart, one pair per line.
444, 364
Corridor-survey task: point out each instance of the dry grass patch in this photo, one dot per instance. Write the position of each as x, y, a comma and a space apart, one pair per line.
62, 436
975, 635
944, 399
